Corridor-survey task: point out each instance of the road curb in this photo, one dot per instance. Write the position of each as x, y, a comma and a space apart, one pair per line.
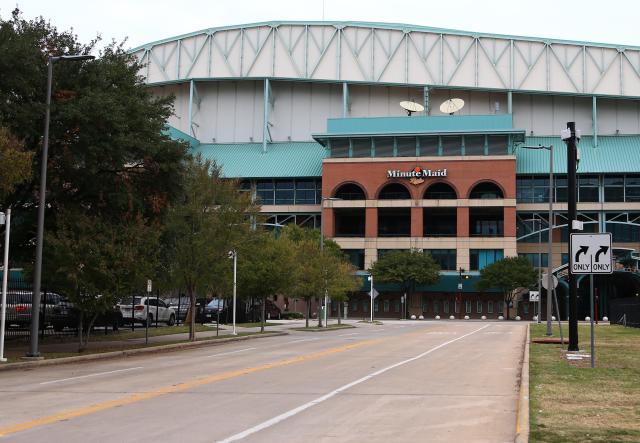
133, 352
522, 419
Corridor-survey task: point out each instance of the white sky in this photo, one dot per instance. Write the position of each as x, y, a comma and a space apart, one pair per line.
144, 21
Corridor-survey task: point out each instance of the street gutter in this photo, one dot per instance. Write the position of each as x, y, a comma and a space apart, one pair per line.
134, 352
522, 418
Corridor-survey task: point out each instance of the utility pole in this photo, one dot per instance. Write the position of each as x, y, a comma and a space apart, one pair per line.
572, 166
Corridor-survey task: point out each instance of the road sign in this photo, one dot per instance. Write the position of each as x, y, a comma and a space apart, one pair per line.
375, 293
545, 281
148, 285
591, 254
534, 296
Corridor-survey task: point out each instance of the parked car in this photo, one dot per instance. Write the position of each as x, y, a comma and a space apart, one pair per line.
146, 310
180, 305
212, 311
55, 309
272, 311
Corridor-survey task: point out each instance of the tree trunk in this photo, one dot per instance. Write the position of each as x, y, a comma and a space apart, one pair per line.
506, 304
306, 325
340, 312
319, 314
192, 312
262, 316
81, 346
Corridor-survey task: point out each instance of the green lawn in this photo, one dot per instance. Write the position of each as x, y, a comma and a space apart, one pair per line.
570, 402
256, 324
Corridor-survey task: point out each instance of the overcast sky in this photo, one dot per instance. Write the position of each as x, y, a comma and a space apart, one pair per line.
144, 21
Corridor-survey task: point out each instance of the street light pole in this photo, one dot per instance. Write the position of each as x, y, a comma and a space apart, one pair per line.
371, 294
326, 295
37, 273
5, 276
233, 254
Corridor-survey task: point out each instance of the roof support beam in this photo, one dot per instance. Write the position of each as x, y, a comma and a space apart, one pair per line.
594, 119
509, 102
265, 126
345, 100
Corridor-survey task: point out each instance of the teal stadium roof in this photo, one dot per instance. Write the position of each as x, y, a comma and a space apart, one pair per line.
613, 154
246, 160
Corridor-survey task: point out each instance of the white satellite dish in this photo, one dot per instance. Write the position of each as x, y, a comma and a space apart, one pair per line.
452, 105
411, 107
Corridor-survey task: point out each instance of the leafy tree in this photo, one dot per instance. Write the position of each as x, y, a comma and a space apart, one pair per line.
341, 280
108, 156
15, 163
407, 269
210, 218
317, 269
508, 275
95, 263
264, 270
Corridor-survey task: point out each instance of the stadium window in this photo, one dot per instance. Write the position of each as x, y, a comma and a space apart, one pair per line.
361, 147
446, 258
614, 188
265, 191
385, 306
474, 145
355, 256
490, 307
305, 191
375, 306
560, 183
467, 306
339, 148
354, 305
436, 307
479, 307
365, 305
428, 146
525, 308
632, 188
481, 258
285, 192
498, 144
588, 188
384, 146
445, 306
535, 258
397, 305
406, 146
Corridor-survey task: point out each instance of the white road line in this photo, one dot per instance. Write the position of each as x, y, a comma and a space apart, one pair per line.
90, 375
230, 352
300, 341
295, 411
347, 335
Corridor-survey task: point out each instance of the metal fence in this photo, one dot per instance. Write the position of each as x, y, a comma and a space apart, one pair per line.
56, 314
625, 311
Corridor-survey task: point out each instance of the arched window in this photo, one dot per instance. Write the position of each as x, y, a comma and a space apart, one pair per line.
349, 191
486, 190
440, 191
394, 191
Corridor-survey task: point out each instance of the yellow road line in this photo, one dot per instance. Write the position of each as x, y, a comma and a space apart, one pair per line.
86, 410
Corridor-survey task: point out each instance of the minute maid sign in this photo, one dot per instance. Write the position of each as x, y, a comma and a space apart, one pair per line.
417, 174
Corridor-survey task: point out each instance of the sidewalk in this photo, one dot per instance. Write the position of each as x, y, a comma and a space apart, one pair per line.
55, 348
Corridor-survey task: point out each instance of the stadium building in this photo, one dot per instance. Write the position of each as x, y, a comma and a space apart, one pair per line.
307, 115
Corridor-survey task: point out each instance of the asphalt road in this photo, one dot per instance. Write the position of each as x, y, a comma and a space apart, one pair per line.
401, 381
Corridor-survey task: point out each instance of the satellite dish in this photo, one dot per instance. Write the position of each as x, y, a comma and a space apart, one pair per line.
452, 105
411, 107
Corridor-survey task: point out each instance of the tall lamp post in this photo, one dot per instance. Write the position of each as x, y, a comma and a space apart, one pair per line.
37, 273
370, 278
233, 254
326, 296
550, 239
5, 219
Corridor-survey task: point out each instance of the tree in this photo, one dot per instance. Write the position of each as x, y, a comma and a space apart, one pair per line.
209, 219
15, 163
507, 275
95, 263
407, 269
317, 269
265, 269
108, 156
341, 280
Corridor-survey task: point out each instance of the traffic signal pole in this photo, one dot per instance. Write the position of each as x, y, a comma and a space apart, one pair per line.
572, 156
